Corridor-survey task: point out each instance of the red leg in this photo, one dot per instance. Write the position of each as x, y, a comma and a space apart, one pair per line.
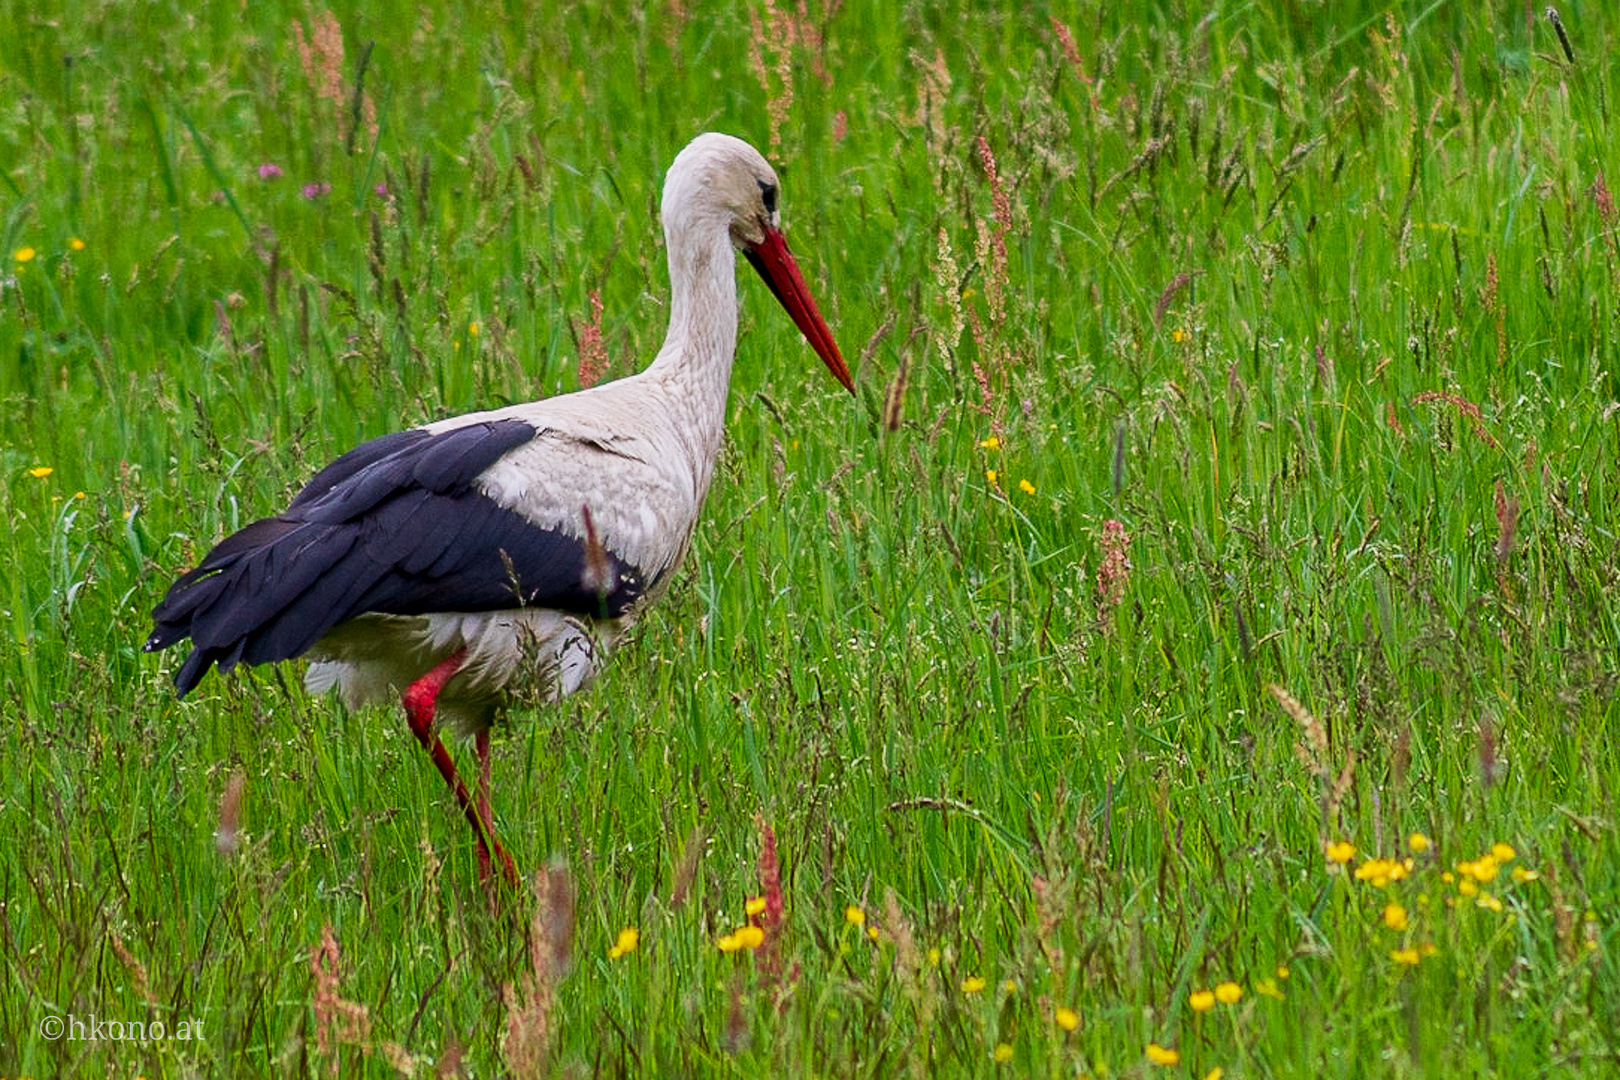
421, 701
485, 814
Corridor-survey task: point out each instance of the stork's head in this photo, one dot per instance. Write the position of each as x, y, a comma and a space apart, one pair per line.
720, 182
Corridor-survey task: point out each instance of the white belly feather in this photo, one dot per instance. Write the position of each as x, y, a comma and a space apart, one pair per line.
521, 652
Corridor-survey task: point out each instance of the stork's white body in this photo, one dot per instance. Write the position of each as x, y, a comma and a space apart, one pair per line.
507, 551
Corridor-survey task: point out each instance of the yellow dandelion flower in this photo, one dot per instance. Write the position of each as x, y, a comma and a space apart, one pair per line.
1001, 1054
472, 329
1482, 869
873, 932
1214, 1074
755, 906
1009, 987
854, 915
1428, 948
1026, 487
1417, 843
992, 443
40, 472
1467, 887
1341, 852
1448, 877
1503, 853
80, 495
1177, 336
1163, 1055
1521, 875
1066, 1018
990, 475
1229, 993
933, 957
972, 984
627, 941
1489, 903
1408, 957
747, 937
1282, 971
1380, 872
1395, 917
1201, 1000
24, 254
75, 243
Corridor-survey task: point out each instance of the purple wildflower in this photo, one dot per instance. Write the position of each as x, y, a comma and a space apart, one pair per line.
269, 171
315, 191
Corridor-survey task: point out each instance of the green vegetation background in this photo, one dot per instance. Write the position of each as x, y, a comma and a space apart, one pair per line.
1318, 301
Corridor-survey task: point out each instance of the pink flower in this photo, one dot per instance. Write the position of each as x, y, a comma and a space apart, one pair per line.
269, 171
315, 191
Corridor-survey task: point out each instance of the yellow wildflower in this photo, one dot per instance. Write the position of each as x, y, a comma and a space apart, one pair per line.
1229, 993
1409, 957
1026, 487
628, 939
990, 475
472, 329
1268, 987
1282, 971
76, 244
24, 254
1341, 852
1502, 853
933, 956
854, 915
873, 932
1009, 987
1521, 875
1214, 1074
1395, 917
1177, 336
1489, 903
1467, 887
972, 984
746, 937
1201, 1000
1163, 1055
992, 443
40, 472
755, 906
1001, 1054
1380, 872
1417, 843
1066, 1018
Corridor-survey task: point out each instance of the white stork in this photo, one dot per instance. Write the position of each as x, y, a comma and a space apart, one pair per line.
475, 555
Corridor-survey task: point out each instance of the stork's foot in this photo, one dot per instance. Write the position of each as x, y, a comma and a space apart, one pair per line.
421, 703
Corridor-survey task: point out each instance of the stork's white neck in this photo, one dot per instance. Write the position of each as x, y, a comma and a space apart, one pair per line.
694, 366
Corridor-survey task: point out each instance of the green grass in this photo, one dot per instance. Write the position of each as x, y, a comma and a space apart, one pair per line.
1321, 302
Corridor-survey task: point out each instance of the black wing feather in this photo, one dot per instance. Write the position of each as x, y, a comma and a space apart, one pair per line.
396, 526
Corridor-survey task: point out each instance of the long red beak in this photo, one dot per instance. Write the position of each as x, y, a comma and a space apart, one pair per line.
775, 264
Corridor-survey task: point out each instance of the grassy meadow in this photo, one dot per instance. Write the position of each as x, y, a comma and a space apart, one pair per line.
1194, 654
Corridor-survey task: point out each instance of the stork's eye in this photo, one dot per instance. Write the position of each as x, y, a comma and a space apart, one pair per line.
767, 191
